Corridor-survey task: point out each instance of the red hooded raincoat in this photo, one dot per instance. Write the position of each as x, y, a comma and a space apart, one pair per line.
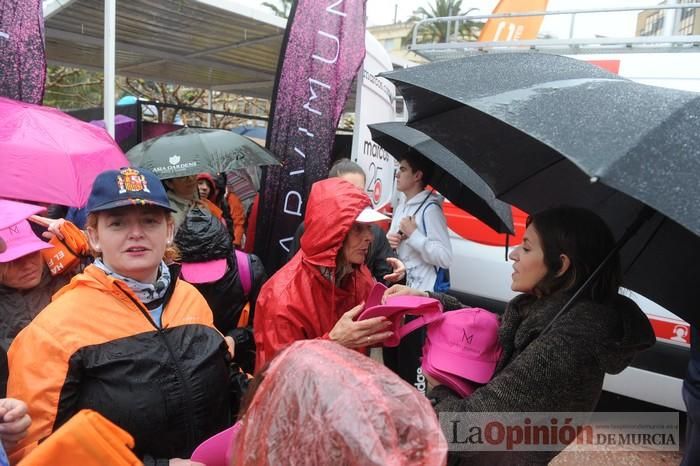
299, 302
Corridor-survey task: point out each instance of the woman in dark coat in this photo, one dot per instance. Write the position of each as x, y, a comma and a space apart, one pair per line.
561, 369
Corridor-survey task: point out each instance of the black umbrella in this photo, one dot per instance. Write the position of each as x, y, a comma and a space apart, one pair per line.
190, 151
450, 175
544, 130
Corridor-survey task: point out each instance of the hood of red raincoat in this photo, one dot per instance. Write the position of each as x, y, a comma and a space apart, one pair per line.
213, 191
320, 403
333, 206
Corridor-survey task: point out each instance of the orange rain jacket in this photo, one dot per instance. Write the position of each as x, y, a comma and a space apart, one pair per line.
87, 439
235, 207
299, 302
238, 215
96, 347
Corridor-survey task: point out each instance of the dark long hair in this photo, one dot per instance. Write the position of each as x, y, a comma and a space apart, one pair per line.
586, 240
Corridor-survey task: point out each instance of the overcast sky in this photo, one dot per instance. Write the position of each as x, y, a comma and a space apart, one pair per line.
607, 24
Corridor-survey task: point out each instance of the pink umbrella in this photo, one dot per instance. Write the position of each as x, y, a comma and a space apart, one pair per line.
48, 156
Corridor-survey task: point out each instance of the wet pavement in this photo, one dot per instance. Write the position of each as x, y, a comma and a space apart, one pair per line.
570, 457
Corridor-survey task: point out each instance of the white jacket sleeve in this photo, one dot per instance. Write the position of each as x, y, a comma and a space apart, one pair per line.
433, 245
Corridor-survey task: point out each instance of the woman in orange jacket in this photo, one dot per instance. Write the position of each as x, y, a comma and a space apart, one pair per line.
126, 338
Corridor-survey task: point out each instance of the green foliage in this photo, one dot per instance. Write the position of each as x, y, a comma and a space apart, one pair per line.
438, 31
282, 10
192, 97
72, 88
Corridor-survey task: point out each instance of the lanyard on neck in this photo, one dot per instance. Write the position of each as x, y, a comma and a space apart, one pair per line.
432, 190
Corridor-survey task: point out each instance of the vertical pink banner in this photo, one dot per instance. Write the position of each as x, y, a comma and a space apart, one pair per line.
22, 55
322, 53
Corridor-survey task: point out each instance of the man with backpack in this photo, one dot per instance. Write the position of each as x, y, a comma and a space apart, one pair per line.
418, 229
419, 234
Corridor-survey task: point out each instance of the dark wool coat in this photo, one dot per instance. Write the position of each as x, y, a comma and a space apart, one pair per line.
561, 370
19, 307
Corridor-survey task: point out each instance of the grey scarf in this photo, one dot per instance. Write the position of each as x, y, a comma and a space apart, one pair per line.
146, 292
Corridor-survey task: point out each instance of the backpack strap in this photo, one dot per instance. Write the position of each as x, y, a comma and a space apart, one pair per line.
244, 271
425, 230
445, 280
245, 274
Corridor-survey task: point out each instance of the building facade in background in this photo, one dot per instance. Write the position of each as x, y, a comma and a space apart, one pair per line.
651, 22
395, 39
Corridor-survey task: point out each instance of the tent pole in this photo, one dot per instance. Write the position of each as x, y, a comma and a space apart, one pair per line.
210, 106
110, 20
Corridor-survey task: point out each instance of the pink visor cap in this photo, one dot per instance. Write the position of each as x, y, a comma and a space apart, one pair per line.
375, 296
369, 215
217, 450
464, 343
461, 386
20, 241
12, 212
203, 272
426, 310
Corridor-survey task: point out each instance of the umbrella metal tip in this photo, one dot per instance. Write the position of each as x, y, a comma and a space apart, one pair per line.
594, 179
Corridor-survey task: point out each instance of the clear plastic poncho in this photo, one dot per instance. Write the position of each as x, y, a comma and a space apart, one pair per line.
322, 404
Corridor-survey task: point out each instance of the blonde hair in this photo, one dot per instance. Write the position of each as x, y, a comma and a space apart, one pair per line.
170, 255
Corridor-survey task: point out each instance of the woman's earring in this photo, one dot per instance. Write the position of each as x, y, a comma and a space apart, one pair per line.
97, 248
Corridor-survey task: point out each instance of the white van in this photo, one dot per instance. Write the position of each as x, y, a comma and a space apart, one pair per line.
480, 274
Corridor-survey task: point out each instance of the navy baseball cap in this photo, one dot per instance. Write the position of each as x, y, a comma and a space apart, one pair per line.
127, 186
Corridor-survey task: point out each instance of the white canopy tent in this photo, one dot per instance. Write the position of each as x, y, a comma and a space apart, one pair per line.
219, 45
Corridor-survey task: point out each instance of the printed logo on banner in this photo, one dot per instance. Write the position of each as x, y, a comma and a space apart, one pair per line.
311, 89
554, 431
375, 102
671, 331
421, 384
377, 191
